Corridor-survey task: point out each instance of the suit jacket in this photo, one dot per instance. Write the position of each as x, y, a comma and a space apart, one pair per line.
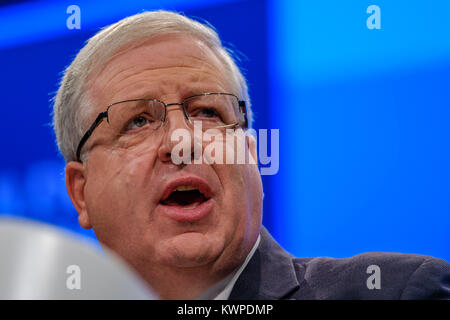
272, 273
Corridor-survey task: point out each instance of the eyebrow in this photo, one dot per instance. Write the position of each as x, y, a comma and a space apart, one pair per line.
151, 94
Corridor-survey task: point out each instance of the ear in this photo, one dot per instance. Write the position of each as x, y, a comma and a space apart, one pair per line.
251, 143
75, 184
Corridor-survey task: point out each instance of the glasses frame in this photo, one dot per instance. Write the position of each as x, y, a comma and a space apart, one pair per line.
104, 114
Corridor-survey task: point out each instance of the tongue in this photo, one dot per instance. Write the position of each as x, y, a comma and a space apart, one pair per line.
185, 199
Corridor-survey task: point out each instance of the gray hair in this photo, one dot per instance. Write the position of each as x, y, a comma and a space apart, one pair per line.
72, 104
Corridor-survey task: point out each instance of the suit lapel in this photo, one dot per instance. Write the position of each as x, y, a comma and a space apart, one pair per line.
270, 273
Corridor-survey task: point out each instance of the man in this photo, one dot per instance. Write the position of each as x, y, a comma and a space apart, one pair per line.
192, 229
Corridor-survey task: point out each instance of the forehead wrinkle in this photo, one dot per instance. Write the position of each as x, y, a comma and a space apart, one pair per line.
202, 63
184, 84
151, 76
169, 70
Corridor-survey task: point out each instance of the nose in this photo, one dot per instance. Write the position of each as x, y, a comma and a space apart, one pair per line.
178, 136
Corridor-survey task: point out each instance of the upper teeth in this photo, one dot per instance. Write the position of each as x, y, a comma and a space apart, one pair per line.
185, 188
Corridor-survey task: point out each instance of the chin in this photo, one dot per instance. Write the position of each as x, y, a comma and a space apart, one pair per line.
191, 249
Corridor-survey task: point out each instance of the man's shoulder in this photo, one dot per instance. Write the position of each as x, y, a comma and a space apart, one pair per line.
273, 273
374, 275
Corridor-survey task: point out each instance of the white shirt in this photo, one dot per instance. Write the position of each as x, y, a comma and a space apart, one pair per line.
222, 289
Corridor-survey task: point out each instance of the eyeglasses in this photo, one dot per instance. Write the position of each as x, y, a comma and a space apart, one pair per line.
134, 119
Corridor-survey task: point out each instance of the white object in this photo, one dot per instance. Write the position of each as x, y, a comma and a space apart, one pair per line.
39, 261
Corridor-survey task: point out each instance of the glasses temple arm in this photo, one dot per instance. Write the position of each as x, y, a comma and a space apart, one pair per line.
243, 110
88, 133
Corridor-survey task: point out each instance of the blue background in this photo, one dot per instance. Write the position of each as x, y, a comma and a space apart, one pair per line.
363, 114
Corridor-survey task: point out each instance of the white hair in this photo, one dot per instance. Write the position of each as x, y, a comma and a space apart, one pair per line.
72, 104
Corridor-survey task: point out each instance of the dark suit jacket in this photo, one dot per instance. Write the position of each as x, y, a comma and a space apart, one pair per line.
272, 273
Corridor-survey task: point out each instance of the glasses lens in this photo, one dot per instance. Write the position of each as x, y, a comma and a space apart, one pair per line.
135, 117
213, 110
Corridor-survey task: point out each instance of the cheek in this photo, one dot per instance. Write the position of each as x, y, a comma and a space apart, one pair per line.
242, 182
118, 185
242, 190
107, 197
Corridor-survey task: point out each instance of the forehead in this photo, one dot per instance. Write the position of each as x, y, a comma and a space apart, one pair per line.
175, 65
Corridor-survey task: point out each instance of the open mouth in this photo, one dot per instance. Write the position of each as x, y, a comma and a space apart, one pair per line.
184, 196
187, 199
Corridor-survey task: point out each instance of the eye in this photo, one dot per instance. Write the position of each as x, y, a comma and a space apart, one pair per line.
138, 122
206, 113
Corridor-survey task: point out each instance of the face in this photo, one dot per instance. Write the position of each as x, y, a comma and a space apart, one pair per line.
122, 191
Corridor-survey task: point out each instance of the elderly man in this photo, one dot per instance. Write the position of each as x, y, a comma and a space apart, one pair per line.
192, 229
